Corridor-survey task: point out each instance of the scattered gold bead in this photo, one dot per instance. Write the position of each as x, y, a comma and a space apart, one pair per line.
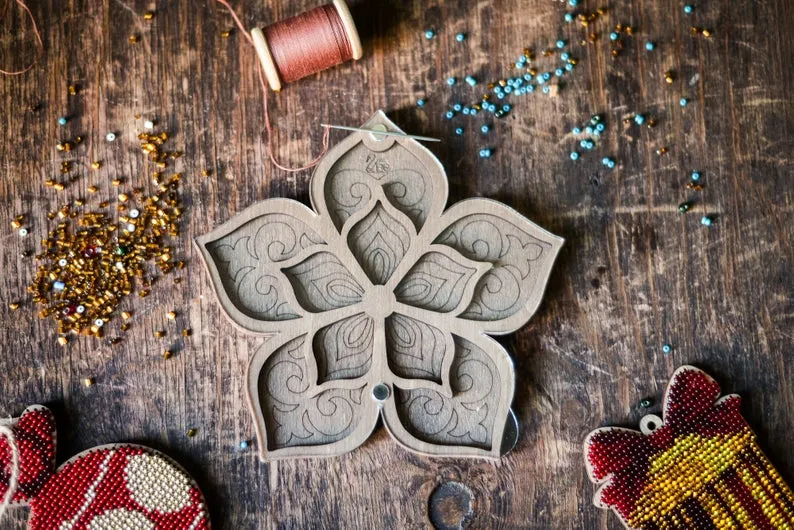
92, 189
187, 332
661, 151
88, 381
123, 197
73, 90
171, 315
63, 341
192, 432
126, 315
225, 34
159, 334
13, 306
134, 39
167, 354
149, 15
96, 164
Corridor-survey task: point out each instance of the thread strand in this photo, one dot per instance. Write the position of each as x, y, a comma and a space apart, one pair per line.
268, 126
38, 38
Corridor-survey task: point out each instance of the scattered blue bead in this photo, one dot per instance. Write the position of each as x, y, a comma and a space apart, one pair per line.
706, 220
683, 102
576, 130
451, 81
459, 131
429, 34
466, 111
666, 348
695, 176
639, 119
589, 129
614, 36
506, 108
546, 89
574, 155
485, 153
62, 121
471, 81
611, 164
569, 17
583, 143
573, 3
560, 44
596, 118
565, 56
530, 88
688, 9
460, 37
457, 107
420, 102
484, 129
473, 112
600, 127
590, 144
559, 72
540, 79
546, 75
569, 67
244, 445
650, 46
449, 115
605, 160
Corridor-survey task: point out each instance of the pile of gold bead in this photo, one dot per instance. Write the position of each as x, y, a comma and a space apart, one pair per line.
93, 258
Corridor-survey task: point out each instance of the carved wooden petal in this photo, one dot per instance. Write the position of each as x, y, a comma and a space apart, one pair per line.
521, 254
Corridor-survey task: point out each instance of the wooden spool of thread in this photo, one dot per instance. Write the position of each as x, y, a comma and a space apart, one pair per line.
307, 43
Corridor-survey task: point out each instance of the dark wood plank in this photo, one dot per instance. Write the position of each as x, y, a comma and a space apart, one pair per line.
634, 274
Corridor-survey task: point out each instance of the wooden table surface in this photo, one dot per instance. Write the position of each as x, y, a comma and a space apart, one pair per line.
633, 275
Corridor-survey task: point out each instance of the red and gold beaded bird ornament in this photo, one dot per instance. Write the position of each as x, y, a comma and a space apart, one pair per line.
105, 488
700, 468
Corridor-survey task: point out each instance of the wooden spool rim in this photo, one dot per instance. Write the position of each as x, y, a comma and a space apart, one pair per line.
268, 64
350, 29
266, 58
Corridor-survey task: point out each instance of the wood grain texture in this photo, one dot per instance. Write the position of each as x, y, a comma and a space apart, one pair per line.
633, 275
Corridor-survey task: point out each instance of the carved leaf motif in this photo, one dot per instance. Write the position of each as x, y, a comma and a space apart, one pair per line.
466, 419
350, 183
521, 254
295, 418
414, 349
379, 242
246, 262
344, 349
436, 283
322, 282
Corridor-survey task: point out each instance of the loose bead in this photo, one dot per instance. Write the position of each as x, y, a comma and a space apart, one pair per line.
429, 34
688, 9
568, 17
420, 102
62, 121
449, 115
484, 129
560, 44
650, 46
646, 403
614, 36
451, 81
471, 81
460, 37
706, 220
695, 176
666, 348
110, 137
485, 153
574, 155
683, 207
244, 444
573, 3
148, 124
459, 131
457, 107
639, 119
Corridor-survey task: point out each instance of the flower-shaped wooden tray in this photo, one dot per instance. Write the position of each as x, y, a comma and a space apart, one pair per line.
378, 302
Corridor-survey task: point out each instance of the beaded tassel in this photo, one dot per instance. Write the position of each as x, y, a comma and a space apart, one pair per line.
105, 488
701, 468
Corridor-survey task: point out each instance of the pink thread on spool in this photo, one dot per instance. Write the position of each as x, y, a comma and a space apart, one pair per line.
307, 43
